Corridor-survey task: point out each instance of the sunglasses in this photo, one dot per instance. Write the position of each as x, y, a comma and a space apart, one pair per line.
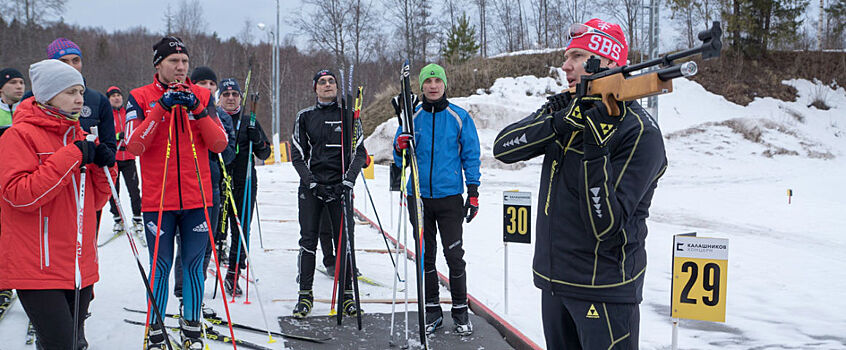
578, 30
326, 81
230, 94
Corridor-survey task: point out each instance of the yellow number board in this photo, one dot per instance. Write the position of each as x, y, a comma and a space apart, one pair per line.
700, 269
517, 217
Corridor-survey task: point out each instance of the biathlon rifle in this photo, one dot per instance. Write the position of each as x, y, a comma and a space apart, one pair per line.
617, 84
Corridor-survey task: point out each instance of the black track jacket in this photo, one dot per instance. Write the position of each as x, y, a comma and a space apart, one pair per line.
592, 213
317, 146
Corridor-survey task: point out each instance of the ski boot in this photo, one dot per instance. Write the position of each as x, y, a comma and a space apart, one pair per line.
192, 334
349, 304
138, 230
231, 285
434, 319
117, 229
156, 338
304, 304
461, 319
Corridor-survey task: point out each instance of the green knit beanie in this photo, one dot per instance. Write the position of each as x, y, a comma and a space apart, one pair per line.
432, 70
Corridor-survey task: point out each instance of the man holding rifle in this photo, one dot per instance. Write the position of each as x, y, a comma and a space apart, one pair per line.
597, 181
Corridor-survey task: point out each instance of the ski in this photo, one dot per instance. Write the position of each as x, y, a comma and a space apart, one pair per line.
212, 318
361, 278
407, 122
30, 334
8, 304
212, 334
112, 238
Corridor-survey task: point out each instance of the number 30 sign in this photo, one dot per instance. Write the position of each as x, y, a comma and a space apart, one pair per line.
699, 278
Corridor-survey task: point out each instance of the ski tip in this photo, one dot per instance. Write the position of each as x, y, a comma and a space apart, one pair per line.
270, 339
332, 312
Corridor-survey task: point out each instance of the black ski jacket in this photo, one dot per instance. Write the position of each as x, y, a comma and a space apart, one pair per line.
317, 146
592, 210
238, 167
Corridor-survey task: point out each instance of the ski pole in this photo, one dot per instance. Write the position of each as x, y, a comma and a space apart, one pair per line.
208, 221
157, 313
250, 266
258, 223
77, 280
351, 254
338, 260
248, 194
381, 230
224, 215
159, 221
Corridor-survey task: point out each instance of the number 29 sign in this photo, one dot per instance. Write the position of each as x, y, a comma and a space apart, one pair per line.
699, 278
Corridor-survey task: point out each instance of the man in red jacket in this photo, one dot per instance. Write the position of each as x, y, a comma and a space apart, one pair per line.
126, 165
163, 119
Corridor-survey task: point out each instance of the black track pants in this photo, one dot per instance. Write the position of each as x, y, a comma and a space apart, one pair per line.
311, 210
127, 169
326, 241
575, 324
235, 245
51, 313
444, 215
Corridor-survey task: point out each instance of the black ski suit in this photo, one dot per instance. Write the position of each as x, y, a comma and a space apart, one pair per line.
316, 156
590, 254
238, 171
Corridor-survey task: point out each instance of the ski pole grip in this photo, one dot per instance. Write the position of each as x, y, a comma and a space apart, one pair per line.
93, 134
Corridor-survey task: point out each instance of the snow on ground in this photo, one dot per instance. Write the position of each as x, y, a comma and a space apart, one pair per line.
730, 168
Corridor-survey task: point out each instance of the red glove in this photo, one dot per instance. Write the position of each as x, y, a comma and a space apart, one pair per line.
403, 140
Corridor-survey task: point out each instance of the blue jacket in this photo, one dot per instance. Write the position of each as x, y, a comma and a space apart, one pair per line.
446, 143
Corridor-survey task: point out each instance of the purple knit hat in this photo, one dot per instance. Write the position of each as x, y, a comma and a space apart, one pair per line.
61, 47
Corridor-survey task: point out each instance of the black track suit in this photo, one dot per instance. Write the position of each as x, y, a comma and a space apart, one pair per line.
317, 158
238, 171
590, 255
448, 155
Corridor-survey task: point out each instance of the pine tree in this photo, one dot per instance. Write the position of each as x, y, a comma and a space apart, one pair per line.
461, 41
759, 25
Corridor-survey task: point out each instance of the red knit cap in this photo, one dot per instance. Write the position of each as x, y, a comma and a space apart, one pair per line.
602, 38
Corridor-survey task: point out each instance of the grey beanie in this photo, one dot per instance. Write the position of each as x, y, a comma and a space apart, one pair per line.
50, 77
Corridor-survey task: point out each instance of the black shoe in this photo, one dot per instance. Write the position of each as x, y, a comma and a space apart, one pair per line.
156, 338
231, 285
192, 334
461, 319
304, 304
349, 304
434, 319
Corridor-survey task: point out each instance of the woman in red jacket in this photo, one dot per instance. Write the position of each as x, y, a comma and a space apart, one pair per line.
40, 182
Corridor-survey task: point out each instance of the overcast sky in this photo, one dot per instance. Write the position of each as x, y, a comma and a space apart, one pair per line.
226, 17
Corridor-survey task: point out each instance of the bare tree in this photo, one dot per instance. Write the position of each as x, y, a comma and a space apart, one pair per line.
168, 19
245, 36
414, 25
483, 26
361, 27
189, 20
626, 13
509, 31
329, 31
32, 12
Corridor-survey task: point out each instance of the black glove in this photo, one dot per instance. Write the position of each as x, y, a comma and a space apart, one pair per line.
254, 134
104, 156
599, 125
324, 193
471, 205
343, 189
88, 149
571, 118
397, 103
558, 102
